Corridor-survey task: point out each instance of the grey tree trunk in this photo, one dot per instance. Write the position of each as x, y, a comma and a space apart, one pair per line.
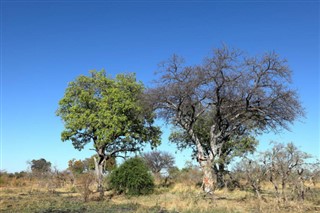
207, 181
99, 176
205, 164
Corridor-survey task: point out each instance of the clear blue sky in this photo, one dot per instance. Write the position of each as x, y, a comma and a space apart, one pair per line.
46, 44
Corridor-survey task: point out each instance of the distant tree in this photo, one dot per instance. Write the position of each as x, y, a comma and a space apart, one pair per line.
109, 112
285, 164
40, 166
233, 96
132, 178
158, 160
76, 166
21, 174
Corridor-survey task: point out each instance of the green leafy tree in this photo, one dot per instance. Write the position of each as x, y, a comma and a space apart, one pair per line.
110, 113
76, 166
40, 167
132, 177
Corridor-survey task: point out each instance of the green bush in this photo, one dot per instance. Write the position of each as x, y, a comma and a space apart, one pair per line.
132, 178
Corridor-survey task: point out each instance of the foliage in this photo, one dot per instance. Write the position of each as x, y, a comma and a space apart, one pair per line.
87, 165
230, 149
107, 112
110, 112
190, 175
108, 165
19, 193
132, 178
76, 166
40, 166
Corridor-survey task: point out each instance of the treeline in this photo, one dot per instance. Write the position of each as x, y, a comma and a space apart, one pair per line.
284, 172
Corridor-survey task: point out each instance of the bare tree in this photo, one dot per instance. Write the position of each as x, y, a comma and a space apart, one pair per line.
254, 172
220, 103
283, 162
158, 160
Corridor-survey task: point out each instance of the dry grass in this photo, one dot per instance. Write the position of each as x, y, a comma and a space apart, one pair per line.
38, 197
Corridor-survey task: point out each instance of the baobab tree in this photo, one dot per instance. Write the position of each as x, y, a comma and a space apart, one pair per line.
219, 105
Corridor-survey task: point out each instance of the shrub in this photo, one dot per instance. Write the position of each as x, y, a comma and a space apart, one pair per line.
132, 178
84, 184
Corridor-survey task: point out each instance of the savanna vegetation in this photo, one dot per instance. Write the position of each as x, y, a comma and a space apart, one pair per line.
277, 180
216, 109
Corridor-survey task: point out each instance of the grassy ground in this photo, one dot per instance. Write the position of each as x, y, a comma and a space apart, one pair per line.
179, 198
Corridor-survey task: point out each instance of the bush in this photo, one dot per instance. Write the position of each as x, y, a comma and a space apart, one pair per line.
84, 182
132, 178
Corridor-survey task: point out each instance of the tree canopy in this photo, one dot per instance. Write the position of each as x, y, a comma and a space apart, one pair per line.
40, 166
110, 112
107, 112
218, 105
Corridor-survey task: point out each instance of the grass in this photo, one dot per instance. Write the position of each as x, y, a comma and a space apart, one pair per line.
178, 198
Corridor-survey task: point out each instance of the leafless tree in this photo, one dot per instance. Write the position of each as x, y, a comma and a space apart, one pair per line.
254, 173
218, 104
285, 164
158, 160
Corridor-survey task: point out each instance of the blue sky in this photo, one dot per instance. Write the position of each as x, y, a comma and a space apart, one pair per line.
46, 44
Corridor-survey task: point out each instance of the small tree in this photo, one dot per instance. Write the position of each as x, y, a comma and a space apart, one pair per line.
158, 160
254, 173
282, 162
132, 178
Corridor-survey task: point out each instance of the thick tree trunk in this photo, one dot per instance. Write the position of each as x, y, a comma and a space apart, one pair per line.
99, 176
207, 181
206, 165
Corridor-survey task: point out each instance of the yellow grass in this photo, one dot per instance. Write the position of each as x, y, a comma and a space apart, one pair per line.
32, 197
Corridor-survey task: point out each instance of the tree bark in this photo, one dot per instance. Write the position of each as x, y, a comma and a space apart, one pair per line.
205, 164
207, 182
99, 175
